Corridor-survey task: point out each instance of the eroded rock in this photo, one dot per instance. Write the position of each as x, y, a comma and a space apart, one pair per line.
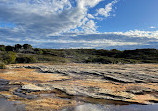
129, 83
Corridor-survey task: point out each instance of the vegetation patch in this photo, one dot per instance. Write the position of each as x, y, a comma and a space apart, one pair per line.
2, 66
26, 59
27, 54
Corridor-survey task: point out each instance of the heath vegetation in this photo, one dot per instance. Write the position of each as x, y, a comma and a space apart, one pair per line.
27, 54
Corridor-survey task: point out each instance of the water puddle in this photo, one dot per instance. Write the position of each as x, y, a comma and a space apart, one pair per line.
52, 95
10, 105
14, 106
98, 107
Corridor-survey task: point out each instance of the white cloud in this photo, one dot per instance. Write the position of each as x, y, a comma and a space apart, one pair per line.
103, 43
152, 27
89, 27
90, 16
106, 11
82, 4
137, 33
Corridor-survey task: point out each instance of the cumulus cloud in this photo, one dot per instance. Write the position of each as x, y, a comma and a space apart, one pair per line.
42, 17
106, 11
89, 27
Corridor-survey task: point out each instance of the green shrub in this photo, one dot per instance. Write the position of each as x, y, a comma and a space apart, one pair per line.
2, 66
49, 58
2, 47
8, 57
131, 61
103, 60
26, 59
109, 60
38, 51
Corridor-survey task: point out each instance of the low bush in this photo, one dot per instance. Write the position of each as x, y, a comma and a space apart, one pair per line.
2, 66
49, 58
103, 60
8, 57
26, 59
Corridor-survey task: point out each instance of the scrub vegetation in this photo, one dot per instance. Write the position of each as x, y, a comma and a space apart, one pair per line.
27, 54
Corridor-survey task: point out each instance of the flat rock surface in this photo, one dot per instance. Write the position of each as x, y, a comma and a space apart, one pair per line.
65, 85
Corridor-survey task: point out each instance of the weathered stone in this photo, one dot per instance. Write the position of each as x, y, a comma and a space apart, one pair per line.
3, 82
129, 83
34, 87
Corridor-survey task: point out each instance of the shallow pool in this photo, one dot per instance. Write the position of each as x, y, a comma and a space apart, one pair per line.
98, 107
10, 105
13, 106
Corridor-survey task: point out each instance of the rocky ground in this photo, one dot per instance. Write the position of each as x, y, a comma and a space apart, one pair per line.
55, 87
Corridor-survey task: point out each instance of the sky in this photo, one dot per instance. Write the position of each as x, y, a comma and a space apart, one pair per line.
97, 24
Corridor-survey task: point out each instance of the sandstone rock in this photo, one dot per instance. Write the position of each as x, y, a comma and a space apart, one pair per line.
34, 87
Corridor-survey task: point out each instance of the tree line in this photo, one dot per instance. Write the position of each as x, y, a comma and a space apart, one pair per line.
16, 47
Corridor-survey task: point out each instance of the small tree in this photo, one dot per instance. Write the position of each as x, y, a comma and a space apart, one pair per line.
27, 46
2, 47
38, 51
115, 50
8, 57
18, 47
2, 66
9, 48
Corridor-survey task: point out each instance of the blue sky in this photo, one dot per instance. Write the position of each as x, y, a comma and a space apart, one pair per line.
132, 15
99, 24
